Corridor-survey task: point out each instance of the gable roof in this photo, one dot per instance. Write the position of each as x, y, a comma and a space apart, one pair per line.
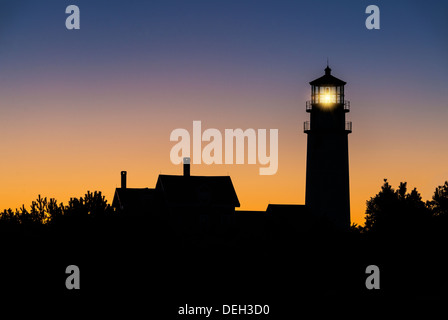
140, 198
197, 190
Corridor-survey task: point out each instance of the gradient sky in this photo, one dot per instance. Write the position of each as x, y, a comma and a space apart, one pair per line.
79, 106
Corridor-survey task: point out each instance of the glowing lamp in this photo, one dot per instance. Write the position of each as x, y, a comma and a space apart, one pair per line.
328, 95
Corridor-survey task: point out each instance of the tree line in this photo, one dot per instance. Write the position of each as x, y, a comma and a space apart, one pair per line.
390, 211
43, 211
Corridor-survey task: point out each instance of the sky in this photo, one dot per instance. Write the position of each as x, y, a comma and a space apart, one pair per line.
79, 106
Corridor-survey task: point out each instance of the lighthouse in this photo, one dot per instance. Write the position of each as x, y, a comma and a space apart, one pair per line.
327, 193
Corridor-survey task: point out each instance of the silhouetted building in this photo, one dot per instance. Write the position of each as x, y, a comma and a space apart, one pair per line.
133, 200
197, 193
327, 166
179, 194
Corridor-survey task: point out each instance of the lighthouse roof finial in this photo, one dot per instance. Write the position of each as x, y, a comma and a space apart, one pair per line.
327, 69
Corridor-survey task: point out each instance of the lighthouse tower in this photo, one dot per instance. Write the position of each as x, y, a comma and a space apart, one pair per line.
327, 171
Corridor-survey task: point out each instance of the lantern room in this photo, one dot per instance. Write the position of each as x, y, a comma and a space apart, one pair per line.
327, 90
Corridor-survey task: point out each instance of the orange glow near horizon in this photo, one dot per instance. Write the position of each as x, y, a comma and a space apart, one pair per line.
79, 106
66, 153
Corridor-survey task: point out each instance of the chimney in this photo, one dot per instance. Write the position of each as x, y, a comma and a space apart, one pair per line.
123, 179
186, 166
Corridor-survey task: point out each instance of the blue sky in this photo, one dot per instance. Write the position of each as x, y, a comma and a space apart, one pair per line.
151, 66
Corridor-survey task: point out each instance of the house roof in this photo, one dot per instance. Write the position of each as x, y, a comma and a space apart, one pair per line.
328, 79
197, 190
133, 197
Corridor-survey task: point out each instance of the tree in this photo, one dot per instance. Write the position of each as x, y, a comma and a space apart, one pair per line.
93, 205
439, 210
439, 203
395, 211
